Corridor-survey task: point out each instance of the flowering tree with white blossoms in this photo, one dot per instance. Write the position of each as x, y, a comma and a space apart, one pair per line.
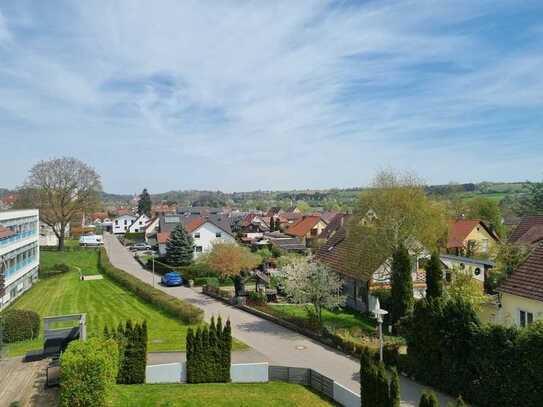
312, 283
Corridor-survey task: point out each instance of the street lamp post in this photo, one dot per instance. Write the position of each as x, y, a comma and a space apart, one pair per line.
379, 314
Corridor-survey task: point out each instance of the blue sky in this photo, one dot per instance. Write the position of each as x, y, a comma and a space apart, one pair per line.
247, 95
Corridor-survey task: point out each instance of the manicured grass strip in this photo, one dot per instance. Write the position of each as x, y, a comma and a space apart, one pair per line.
342, 318
273, 394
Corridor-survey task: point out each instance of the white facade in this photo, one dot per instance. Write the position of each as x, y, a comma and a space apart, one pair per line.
47, 235
122, 223
204, 237
139, 224
19, 253
207, 234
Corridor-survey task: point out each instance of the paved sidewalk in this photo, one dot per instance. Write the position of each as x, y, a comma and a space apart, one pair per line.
280, 345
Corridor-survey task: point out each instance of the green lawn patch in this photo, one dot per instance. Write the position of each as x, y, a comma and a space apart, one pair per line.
341, 318
103, 301
85, 260
224, 395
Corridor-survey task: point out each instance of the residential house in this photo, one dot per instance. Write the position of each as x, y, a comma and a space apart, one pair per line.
469, 237
360, 277
521, 295
282, 242
254, 223
529, 231
122, 224
151, 230
205, 231
48, 236
477, 267
307, 229
139, 224
273, 211
19, 253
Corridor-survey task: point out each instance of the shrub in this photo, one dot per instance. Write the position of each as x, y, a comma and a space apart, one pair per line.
258, 298
174, 307
208, 353
132, 343
61, 268
212, 281
88, 370
19, 325
135, 237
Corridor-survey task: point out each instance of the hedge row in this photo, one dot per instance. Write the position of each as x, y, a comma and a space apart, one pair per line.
19, 325
489, 365
88, 371
178, 309
192, 272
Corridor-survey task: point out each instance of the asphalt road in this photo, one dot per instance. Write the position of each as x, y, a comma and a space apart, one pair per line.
279, 345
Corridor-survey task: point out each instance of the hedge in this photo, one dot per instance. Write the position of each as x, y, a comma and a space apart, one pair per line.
174, 307
208, 353
19, 325
192, 272
450, 349
88, 371
138, 237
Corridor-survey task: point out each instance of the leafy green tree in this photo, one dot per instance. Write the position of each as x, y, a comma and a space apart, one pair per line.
179, 247
434, 277
428, 399
532, 202
144, 203
401, 285
488, 210
458, 403
394, 389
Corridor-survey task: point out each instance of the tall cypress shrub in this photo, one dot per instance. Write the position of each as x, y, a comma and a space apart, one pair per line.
226, 351
401, 285
381, 383
179, 247
434, 277
394, 400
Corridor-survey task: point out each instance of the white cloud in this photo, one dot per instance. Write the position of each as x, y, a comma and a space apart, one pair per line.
259, 95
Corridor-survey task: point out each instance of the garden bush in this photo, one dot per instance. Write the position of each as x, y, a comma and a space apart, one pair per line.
212, 281
19, 325
88, 371
174, 307
135, 237
258, 298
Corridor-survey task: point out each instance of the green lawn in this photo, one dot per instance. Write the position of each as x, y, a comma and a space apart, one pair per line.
85, 260
341, 318
226, 395
103, 301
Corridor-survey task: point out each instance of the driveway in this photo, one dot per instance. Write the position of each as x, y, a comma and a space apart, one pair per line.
279, 345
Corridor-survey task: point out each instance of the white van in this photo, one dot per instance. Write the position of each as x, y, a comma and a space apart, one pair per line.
91, 240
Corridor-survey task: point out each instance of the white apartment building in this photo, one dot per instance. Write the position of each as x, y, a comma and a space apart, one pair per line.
123, 223
19, 253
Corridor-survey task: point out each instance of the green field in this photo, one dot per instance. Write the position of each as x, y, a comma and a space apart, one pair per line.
103, 301
85, 260
225, 395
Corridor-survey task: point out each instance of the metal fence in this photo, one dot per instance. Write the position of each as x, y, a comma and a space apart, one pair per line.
305, 376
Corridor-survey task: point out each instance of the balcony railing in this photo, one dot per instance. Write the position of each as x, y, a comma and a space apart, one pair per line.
20, 265
17, 237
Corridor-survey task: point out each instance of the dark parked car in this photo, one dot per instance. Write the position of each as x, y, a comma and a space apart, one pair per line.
172, 279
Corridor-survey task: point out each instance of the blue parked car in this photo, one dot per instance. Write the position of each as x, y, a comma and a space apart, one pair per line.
172, 279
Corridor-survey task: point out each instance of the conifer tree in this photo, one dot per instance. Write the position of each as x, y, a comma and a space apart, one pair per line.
434, 277
190, 355
179, 247
382, 386
226, 351
394, 389
144, 203
402, 285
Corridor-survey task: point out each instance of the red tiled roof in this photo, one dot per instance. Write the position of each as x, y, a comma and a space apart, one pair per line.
527, 280
163, 237
529, 230
5, 232
460, 229
303, 226
195, 224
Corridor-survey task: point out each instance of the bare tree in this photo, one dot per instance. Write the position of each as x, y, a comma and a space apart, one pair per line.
61, 188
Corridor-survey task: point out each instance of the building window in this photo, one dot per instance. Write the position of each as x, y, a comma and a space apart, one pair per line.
218, 234
197, 235
525, 318
116, 221
198, 249
125, 222
484, 245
